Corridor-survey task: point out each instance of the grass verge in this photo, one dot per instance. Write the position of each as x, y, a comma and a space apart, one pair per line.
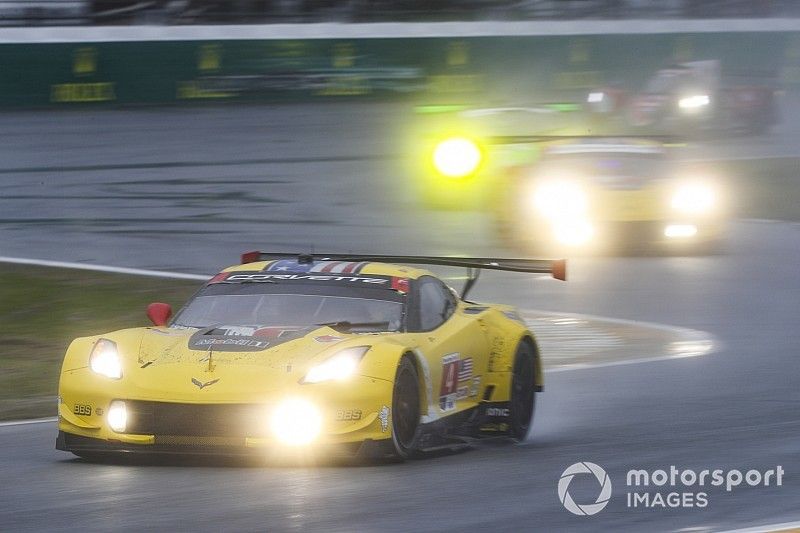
42, 309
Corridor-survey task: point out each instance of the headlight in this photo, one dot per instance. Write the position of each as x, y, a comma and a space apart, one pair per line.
693, 198
296, 422
104, 359
595, 98
457, 157
117, 416
339, 366
573, 233
676, 231
694, 102
560, 200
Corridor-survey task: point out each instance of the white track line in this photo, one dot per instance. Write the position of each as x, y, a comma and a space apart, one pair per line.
767, 528
27, 422
626, 322
637, 361
688, 334
102, 268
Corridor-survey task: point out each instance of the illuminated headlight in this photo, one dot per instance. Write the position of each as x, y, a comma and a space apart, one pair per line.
104, 359
694, 102
678, 231
560, 200
693, 198
595, 98
296, 422
117, 416
573, 233
457, 157
339, 366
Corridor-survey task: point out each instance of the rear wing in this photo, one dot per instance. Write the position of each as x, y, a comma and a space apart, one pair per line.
665, 140
557, 268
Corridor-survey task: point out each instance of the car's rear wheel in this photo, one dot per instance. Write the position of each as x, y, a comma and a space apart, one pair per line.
523, 391
405, 409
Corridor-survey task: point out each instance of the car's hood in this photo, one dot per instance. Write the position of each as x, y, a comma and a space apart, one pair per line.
226, 363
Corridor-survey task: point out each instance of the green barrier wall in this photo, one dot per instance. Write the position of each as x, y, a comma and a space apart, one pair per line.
540, 68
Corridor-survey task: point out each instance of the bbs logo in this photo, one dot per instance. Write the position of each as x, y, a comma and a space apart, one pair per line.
83, 410
348, 414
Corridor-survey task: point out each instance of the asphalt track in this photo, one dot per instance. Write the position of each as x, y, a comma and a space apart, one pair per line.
189, 189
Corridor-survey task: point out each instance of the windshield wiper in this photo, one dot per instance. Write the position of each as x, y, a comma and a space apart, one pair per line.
347, 325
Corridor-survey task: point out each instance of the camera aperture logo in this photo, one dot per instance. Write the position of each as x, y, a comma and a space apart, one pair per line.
586, 509
663, 488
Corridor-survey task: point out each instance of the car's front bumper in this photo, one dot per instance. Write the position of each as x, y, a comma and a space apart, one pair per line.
349, 414
621, 236
200, 446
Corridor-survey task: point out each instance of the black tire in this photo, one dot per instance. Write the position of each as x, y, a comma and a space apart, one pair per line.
523, 391
405, 409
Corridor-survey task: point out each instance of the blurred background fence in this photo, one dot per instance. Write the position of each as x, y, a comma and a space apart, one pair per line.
494, 70
87, 12
156, 60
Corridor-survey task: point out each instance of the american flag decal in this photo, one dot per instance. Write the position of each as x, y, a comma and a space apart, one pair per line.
465, 369
339, 267
328, 267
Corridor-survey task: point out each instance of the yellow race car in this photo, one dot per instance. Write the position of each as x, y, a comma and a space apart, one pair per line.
286, 353
601, 194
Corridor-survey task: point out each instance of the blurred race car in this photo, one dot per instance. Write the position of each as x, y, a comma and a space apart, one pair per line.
598, 194
458, 152
689, 98
343, 353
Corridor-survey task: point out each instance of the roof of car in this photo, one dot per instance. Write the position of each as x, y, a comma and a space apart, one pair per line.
606, 145
342, 268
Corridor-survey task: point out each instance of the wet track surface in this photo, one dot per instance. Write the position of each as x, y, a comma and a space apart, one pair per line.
101, 192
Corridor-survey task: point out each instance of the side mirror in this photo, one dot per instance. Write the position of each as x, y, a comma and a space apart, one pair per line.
159, 313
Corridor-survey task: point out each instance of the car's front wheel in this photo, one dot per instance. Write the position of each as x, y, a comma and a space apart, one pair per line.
405, 409
523, 391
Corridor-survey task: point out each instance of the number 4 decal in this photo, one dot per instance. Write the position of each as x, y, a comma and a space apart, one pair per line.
449, 387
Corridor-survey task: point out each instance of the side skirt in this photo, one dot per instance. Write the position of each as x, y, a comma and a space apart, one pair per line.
489, 419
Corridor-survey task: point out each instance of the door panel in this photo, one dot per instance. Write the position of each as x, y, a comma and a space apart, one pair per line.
458, 356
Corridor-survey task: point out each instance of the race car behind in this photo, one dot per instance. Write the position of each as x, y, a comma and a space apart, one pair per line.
689, 99
603, 194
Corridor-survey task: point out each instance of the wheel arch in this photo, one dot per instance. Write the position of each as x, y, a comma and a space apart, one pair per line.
427, 409
538, 371
387, 360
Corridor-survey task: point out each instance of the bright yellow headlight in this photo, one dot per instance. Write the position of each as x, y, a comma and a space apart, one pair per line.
339, 366
573, 233
693, 198
117, 416
104, 359
457, 157
695, 101
560, 199
296, 422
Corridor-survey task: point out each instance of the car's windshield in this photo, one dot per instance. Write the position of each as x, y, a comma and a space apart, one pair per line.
267, 305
